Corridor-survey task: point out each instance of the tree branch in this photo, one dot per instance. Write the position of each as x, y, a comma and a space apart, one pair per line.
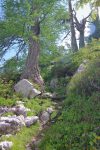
66, 36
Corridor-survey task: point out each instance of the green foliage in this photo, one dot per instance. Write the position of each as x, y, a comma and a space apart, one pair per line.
95, 3
6, 88
11, 70
23, 137
77, 127
7, 102
86, 82
37, 105
91, 51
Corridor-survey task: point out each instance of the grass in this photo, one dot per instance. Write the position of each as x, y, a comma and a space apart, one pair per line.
37, 105
25, 135
7, 102
77, 127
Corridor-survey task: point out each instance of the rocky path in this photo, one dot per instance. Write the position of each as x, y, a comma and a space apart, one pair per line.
33, 145
13, 119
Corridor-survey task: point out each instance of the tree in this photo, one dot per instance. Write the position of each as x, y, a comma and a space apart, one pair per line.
25, 17
73, 36
94, 3
80, 26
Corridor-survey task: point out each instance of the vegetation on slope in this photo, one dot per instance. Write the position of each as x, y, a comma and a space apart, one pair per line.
78, 126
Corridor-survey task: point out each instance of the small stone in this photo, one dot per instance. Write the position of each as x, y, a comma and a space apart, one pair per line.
19, 102
50, 110
46, 95
31, 120
82, 66
45, 117
5, 127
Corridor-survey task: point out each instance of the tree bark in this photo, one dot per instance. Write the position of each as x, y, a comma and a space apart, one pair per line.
31, 70
81, 39
81, 27
73, 36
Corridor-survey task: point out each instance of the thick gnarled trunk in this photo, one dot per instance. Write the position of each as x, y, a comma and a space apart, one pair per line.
31, 70
73, 36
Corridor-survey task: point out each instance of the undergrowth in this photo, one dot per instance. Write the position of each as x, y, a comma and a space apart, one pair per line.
77, 128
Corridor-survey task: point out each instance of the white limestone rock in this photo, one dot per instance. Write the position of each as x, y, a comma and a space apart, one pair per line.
20, 103
31, 120
44, 117
82, 66
5, 128
14, 120
5, 145
20, 110
26, 88
3, 110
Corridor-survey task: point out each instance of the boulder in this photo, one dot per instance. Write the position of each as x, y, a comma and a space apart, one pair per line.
82, 66
11, 124
5, 145
26, 88
5, 128
44, 117
14, 120
20, 110
31, 120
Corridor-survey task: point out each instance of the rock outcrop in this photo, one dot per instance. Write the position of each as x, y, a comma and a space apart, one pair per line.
12, 124
26, 88
82, 66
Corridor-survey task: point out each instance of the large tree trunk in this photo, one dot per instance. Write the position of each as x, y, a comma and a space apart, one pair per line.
31, 70
81, 39
73, 36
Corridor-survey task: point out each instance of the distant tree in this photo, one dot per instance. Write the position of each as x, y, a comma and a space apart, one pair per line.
96, 22
80, 26
72, 28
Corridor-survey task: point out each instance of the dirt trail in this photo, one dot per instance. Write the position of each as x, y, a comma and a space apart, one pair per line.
33, 145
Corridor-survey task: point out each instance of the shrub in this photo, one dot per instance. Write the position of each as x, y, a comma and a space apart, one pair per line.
6, 88
86, 82
77, 127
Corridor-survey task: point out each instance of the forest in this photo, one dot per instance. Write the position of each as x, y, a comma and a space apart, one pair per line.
49, 74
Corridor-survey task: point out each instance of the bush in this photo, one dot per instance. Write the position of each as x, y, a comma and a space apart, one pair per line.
86, 82
77, 127
6, 88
